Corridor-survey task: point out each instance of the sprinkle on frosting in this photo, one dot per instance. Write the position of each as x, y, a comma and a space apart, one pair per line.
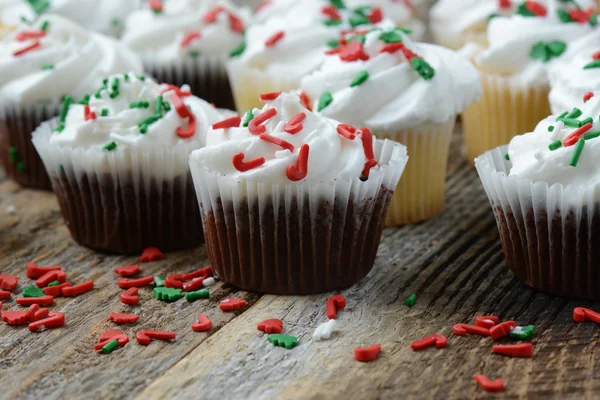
547, 51
276, 37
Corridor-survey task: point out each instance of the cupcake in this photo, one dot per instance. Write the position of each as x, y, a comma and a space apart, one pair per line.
188, 42
293, 202
284, 49
543, 188
119, 164
576, 74
39, 65
404, 91
515, 77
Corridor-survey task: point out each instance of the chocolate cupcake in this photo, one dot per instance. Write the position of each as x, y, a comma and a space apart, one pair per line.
293, 202
118, 164
544, 190
39, 65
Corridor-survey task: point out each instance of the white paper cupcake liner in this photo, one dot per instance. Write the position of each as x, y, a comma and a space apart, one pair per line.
301, 237
550, 234
125, 200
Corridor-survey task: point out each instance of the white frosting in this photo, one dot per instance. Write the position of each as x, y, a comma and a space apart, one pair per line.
330, 155
568, 78
532, 158
512, 39
162, 35
78, 60
395, 96
122, 124
301, 49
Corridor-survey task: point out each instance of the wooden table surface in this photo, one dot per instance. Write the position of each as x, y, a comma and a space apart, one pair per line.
454, 264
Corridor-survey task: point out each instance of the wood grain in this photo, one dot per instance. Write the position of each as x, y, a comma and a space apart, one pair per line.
454, 264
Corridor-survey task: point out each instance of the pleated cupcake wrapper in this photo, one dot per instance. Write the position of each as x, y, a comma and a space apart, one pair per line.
125, 200
297, 238
507, 108
550, 234
17, 154
248, 84
206, 75
420, 193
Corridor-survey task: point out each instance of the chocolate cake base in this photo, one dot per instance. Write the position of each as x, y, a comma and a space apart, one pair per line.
17, 154
295, 252
560, 255
111, 216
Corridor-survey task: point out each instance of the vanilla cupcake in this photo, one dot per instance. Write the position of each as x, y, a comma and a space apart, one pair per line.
188, 42
544, 189
291, 203
118, 164
286, 48
515, 77
39, 65
577, 73
405, 91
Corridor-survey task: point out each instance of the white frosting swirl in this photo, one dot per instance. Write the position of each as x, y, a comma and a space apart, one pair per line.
512, 39
395, 96
532, 158
569, 79
330, 155
68, 60
118, 120
165, 36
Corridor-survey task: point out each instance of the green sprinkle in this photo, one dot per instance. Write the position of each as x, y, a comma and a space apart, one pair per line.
325, 100
588, 120
110, 146
576, 113
159, 280
362, 10
539, 51
55, 283
85, 101
20, 166
247, 118
115, 22
167, 106
332, 22
287, 341
411, 300
593, 64
104, 112
555, 145
59, 128
551, 128
333, 43
110, 347
573, 123
195, 53
391, 37
13, 154
158, 105
339, 4
557, 47
594, 19
45, 25
524, 11
591, 135
562, 115
33, 291
197, 295
360, 79
126, 77
141, 78
150, 120
167, 294
564, 16
577, 153
64, 110
507, 157
357, 20
139, 104
47, 66
115, 85
407, 31
522, 332
357, 38
39, 6
423, 68
238, 51
25, 20
114, 95
492, 16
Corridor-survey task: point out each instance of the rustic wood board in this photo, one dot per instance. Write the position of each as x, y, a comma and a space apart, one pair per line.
454, 264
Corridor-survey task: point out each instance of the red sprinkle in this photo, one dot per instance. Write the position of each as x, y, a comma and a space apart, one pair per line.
235, 23
255, 125
14, 317
174, 281
279, 142
489, 386
367, 142
56, 291
130, 296
294, 125
54, 320
353, 51
189, 38
514, 350
151, 254
367, 354
233, 122
271, 41
347, 131
333, 304
50, 277
156, 5
273, 325
574, 137
581, 314
119, 318
111, 334
31, 312
502, 329
204, 324
486, 321
331, 12
438, 340
463, 329
176, 89
232, 304
145, 337
128, 270
199, 273
269, 96
41, 314
27, 301
596, 55
27, 49
190, 130
4, 295
193, 285
34, 272
88, 114
587, 96
376, 15
26, 35
369, 164
300, 170
240, 165
392, 48
71, 291
536, 8
211, 15
8, 282
503, 4
579, 16
305, 101
126, 283
262, 5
